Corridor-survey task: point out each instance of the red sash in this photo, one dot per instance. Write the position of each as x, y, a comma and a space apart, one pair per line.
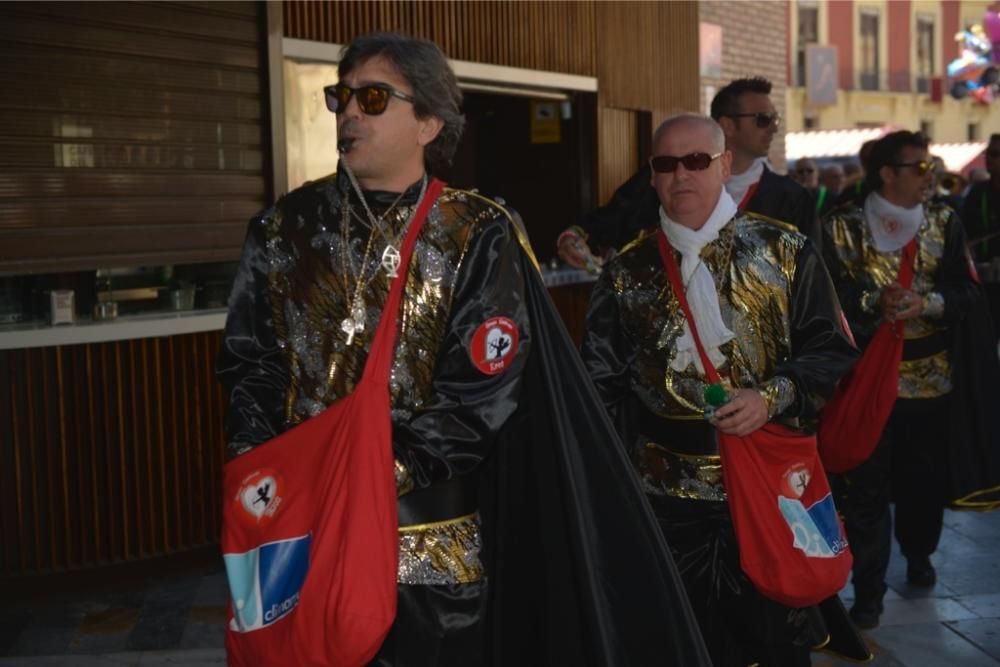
792, 544
852, 422
309, 533
751, 191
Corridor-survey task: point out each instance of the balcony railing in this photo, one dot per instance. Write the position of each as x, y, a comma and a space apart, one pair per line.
899, 81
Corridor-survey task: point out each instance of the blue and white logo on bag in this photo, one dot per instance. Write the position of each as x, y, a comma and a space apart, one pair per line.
265, 583
815, 529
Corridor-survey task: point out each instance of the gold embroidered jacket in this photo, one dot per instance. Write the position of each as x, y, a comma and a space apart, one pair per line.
286, 358
774, 295
941, 276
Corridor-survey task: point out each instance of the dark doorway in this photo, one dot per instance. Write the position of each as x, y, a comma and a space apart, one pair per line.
549, 184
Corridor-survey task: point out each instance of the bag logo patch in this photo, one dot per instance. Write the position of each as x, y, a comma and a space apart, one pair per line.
259, 496
494, 345
266, 582
815, 529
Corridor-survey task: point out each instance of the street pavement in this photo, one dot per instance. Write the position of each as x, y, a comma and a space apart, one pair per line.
172, 611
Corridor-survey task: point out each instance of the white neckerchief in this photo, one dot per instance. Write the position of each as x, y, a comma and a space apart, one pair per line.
700, 287
892, 226
739, 183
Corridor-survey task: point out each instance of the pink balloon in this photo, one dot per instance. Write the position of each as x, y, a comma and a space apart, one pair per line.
991, 24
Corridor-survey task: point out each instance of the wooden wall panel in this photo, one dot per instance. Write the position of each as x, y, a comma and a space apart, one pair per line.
137, 99
617, 149
648, 55
108, 452
554, 36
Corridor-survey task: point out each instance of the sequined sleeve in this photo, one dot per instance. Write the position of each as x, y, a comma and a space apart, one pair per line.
250, 364
858, 294
821, 350
470, 401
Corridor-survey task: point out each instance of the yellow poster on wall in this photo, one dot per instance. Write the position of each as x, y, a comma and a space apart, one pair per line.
545, 124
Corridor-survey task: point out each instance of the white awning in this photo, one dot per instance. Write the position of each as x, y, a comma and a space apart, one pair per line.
846, 143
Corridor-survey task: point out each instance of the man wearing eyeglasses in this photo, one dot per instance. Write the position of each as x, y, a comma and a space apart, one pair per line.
494, 540
939, 446
768, 317
744, 110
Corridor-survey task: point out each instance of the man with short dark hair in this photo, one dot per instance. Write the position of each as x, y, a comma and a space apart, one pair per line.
767, 315
939, 446
502, 559
749, 119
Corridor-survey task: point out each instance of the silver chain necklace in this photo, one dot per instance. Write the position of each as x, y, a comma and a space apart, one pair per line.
354, 323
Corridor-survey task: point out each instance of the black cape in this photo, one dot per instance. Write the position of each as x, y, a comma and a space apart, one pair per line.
580, 573
974, 454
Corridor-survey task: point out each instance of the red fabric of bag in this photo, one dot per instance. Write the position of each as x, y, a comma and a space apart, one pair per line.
852, 421
792, 544
309, 534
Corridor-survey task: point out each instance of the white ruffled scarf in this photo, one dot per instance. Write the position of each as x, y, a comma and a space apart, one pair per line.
891, 226
739, 183
701, 293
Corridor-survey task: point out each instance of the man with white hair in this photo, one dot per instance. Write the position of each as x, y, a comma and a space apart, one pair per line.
768, 316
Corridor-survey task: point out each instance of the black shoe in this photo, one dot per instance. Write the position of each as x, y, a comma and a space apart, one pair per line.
865, 613
920, 572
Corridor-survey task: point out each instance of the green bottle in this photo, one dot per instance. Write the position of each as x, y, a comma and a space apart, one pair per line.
715, 396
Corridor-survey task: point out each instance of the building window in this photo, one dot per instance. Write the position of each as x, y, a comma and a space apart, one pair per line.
808, 34
925, 53
927, 128
869, 49
972, 132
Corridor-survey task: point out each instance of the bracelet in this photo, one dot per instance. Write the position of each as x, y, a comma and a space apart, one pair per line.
778, 394
932, 305
869, 301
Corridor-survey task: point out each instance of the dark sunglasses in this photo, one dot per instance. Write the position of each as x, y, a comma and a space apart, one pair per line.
372, 99
761, 118
921, 167
804, 170
667, 164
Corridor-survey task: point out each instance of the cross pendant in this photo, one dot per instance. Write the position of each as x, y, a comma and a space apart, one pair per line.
347, 326
390, 261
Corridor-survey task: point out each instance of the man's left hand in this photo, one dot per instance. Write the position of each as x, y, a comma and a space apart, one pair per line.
744, 414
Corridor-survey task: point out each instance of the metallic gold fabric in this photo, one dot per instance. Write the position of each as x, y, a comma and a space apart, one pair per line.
753, 281
310, 294
323, 367
925, 378
666, 472
872, 270
446, 552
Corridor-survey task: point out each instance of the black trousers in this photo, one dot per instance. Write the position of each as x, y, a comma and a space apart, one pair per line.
740, 626
908, 466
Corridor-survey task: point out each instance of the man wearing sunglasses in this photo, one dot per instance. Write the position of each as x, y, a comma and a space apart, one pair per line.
750, 121
487, 460
745, 111
939, 446
768, 318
